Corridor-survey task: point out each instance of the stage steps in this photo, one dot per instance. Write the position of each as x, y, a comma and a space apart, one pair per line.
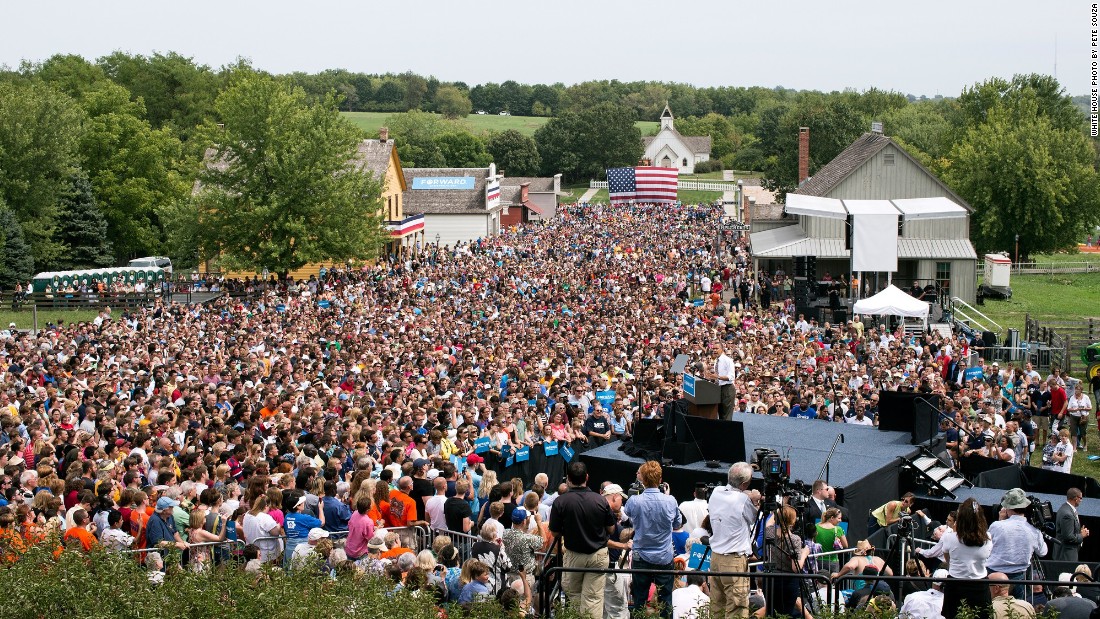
939, 477
942, 328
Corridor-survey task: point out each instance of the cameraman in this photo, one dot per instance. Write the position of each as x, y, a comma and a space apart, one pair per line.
1014, 540
654, 514
732, 518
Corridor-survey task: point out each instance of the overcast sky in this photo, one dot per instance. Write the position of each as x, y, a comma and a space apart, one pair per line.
931, 47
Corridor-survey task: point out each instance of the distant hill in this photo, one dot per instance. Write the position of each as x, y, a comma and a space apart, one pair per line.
478, 123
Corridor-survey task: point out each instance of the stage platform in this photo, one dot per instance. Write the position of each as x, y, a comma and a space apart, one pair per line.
864, 468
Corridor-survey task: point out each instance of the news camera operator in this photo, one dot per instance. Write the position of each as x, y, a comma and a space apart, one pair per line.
732, 518
1015, 540
655, 514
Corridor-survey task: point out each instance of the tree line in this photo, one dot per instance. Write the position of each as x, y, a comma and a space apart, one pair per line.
98, 159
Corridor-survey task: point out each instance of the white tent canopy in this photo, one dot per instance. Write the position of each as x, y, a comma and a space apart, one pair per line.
894, 302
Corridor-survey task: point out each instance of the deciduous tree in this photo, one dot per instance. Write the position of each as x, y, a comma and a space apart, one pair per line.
282, 189
514, 153
585, 144
452, 102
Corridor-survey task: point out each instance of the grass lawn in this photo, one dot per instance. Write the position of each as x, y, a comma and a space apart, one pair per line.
369, 122
1053, 297
24, 319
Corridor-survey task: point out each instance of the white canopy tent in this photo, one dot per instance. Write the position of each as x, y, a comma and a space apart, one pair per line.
894, 302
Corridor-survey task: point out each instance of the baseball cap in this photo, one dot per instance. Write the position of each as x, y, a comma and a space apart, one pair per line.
420, 462
938, 576
164, 503
519, 515
316, 534
473, 459
300, 502
613, 489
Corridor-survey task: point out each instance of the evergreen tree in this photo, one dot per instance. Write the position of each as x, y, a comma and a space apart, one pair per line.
16, 262
83, 229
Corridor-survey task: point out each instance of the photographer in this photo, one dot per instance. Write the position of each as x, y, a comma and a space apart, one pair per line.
732, 517
1015, 541
654, 514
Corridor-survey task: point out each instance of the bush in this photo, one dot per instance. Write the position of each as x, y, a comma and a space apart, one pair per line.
710, 165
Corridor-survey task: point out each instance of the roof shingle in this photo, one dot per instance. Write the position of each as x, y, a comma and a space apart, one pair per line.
455, 201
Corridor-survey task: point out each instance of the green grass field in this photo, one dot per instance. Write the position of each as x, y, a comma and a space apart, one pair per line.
1053, 297
24, 319
369, 122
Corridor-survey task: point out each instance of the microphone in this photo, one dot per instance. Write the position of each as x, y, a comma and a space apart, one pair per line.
841, 438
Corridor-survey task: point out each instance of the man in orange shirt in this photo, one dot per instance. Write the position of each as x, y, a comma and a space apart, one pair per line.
393, 542
271, 406
83, 532
402, 506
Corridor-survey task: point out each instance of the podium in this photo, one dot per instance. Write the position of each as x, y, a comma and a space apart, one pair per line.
703, 396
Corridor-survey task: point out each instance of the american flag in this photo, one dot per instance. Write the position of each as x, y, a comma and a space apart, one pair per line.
642, 184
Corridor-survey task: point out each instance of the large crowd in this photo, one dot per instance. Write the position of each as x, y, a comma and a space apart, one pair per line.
324, 417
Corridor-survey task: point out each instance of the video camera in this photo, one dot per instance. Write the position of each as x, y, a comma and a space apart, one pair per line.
1040, 514
777, 480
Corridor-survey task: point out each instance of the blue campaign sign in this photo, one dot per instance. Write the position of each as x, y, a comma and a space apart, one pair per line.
280, 308
972, 373
481, 445
444, 182
550, 448
698, 302
523, 454
567, 452
689, 385
696, 560
323, 304
606, 399
506, 451
459, 462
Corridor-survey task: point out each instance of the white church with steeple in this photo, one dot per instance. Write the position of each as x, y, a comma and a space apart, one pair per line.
669, 149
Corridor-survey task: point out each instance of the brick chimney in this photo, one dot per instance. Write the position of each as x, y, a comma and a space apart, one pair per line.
803, 154
383, 134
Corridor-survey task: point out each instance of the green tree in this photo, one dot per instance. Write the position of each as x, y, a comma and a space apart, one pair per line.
1025, 176
462, 149
132, 169
585, 144
69, 73
416, 135
282, 191
16, 262
514, 153
83, 229
452, 102
833, 124
175, 91
39, 130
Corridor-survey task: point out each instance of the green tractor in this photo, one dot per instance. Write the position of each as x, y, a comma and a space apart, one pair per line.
1091, 356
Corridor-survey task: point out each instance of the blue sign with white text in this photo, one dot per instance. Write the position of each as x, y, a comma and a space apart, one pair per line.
481, 445
689, 385
550, 448
972, 373
444, 182
606, 399
699, 559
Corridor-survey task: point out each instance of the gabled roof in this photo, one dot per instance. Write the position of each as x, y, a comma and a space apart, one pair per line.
447, 201
694, 143
853, 158
537, 184
376, 156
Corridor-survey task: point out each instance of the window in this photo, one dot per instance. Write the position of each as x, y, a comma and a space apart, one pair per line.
943, 276
685, 162
888, 159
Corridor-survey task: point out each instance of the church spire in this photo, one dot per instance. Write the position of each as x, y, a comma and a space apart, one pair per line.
666, 117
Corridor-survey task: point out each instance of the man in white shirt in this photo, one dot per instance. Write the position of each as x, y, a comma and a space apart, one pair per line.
925, 604
1079, 407
686, 601
725, 373
695, 510
732, 517
434, 505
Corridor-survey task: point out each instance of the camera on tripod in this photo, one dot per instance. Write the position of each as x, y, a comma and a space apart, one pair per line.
905, 524
1040, 514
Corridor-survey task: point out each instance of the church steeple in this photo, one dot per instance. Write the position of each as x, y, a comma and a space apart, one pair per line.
666, 117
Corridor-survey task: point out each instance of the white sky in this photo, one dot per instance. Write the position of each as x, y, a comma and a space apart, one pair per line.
930, 47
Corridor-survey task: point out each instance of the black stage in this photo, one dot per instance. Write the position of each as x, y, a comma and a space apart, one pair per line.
864, 469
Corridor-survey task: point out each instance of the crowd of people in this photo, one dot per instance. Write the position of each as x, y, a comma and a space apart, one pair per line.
357, 404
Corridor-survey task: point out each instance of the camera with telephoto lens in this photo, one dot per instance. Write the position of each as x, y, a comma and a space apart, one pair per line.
1040, 514
905, 523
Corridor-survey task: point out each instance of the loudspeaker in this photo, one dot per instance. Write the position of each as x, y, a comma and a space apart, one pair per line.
811, 268
915, 413
682, 453
840, 316
800, 266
